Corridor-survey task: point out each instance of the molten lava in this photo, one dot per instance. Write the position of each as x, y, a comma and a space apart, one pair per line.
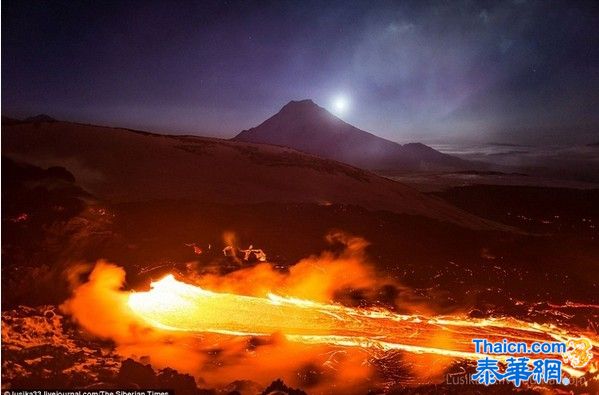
172, 305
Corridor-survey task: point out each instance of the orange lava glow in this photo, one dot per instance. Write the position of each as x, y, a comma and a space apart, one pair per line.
258, 323
172, 305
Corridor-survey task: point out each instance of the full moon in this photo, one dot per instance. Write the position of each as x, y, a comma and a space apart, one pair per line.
340, 105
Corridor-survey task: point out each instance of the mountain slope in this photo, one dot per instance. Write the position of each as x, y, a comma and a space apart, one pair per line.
122, 165
305, 126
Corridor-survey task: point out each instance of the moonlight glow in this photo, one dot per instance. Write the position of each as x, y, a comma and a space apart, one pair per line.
340, 105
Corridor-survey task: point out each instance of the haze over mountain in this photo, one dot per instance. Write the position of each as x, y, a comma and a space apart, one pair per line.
307, 127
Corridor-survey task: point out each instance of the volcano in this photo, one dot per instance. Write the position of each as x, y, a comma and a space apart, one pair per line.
307, 127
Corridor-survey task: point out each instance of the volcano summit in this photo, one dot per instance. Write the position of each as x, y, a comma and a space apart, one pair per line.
307, 127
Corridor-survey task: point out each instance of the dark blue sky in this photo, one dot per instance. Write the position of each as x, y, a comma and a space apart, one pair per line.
510, 71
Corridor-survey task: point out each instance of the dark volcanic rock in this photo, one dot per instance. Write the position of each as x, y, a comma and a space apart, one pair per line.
42, 349
278, 387
135, 373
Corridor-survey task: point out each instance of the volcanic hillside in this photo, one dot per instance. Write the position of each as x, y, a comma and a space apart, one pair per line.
122, 165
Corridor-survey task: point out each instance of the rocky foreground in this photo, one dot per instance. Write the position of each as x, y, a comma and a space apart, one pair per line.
43, 349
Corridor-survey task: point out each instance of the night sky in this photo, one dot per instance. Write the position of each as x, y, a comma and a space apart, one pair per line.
511, 71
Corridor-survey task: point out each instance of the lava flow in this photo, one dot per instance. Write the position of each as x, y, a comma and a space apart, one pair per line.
172, 305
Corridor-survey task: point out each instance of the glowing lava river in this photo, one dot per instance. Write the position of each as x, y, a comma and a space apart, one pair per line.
172, 305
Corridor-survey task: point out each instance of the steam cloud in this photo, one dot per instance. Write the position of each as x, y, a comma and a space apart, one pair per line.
100, 307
